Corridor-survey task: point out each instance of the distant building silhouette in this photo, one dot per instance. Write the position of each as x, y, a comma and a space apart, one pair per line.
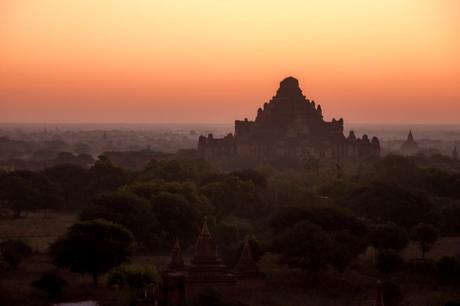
410, 146
455, 153
289, 126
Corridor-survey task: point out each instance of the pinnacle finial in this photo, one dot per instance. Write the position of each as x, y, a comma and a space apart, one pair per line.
177, 261
246, 261
204, 228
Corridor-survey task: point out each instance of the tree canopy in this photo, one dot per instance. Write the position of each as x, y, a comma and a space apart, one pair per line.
93, 247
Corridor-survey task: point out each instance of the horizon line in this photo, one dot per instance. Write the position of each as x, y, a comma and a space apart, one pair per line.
207, 123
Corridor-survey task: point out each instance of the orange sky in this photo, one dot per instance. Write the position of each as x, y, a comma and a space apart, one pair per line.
214, 61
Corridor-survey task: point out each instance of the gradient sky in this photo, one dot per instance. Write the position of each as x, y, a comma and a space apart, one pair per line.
212, 61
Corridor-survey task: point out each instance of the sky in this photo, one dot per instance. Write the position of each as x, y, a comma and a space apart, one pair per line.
208, 61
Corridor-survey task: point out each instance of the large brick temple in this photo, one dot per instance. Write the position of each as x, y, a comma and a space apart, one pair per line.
289, 126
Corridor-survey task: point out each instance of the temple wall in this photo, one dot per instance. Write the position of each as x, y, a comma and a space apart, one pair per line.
193, 290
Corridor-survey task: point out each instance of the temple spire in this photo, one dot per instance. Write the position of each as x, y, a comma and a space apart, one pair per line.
204, 228
455, 153
246, 260
352, 135
205, 246
177, 262
410, 137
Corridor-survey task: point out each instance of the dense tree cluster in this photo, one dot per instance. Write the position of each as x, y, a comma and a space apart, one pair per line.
309, 216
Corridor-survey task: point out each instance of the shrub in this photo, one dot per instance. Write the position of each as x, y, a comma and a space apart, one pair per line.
388, 261
392, 294
388, 236
50, 282
133, 276
448, 269
14, 251
426, 236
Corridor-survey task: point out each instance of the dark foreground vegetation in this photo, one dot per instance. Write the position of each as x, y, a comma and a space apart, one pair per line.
325, 233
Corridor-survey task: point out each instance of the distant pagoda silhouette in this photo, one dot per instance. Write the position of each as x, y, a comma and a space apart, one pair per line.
410, 146
289, 126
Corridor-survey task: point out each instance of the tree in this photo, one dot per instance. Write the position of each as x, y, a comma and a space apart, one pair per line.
17, 194
93, 247
27, 190
232, 195
304, 245
177, 217
103, 176
72, 181
390, 203
426, 236
133, 276
317, 236
329, 217
396, 169
308, 247
448, 269
258, 178
177, 170
129, 210
388, 261
177, 206
388, 236
14, 251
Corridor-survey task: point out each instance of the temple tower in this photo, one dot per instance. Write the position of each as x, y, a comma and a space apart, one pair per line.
247, 271
206, 270
410, 146
177, 262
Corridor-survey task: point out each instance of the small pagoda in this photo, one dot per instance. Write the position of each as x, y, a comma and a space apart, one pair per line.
410, 146
184, 283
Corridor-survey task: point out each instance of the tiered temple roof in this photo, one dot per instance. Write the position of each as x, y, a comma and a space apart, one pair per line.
289, 125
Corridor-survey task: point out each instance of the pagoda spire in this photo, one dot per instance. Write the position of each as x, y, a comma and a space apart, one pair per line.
177, 262
246, 260
204, 228
352, 135
410, 137
205, 246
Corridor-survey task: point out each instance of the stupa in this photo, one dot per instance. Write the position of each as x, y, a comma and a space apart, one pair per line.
410, 146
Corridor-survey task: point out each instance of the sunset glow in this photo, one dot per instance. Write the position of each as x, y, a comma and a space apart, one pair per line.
215, 61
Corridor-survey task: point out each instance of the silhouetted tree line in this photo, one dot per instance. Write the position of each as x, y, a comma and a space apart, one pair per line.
310, 218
